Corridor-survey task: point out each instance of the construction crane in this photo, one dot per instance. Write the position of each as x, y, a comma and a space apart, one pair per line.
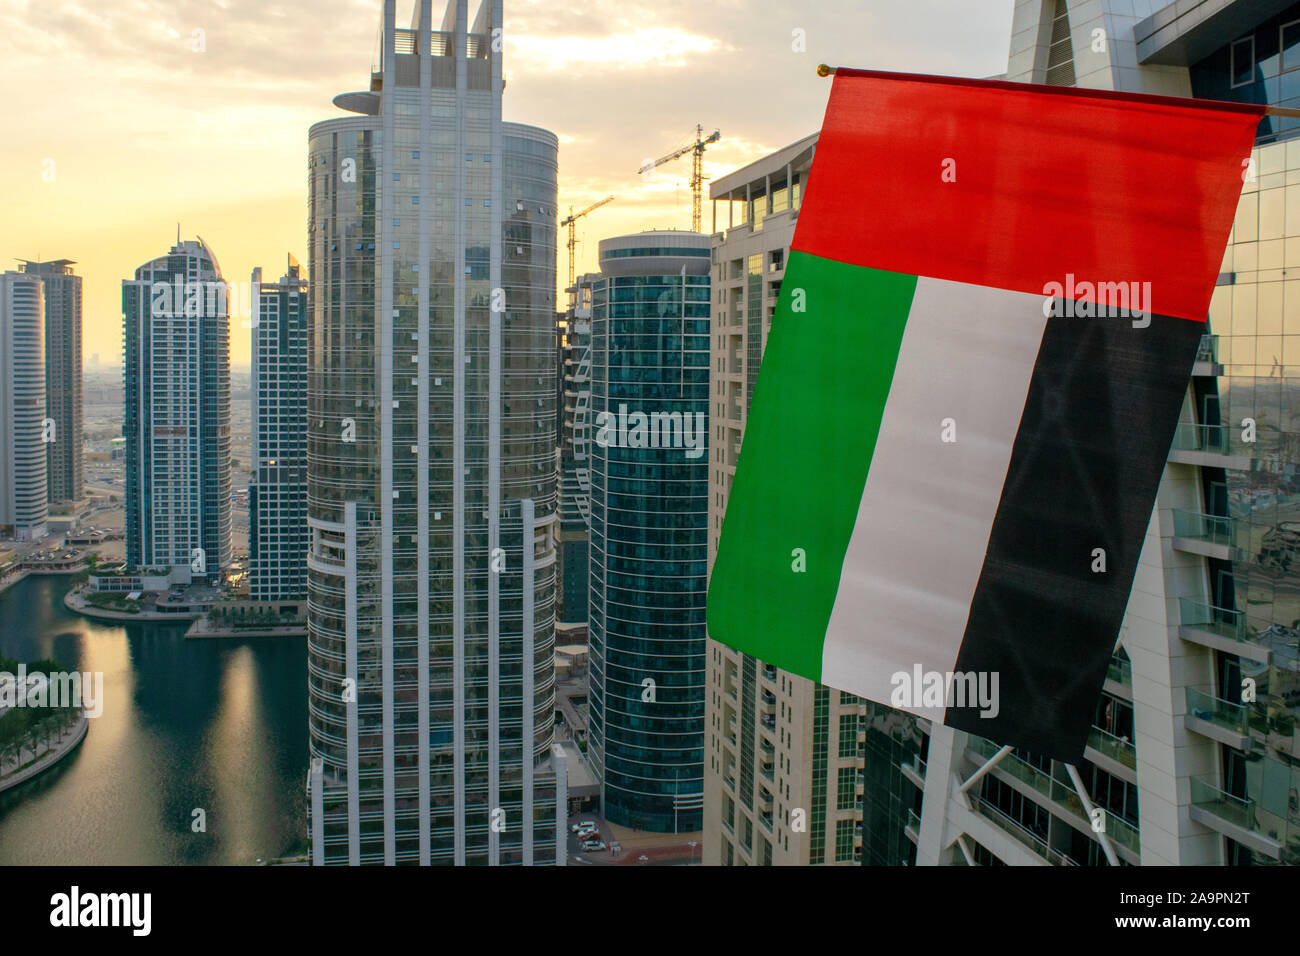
570, 220
697, 168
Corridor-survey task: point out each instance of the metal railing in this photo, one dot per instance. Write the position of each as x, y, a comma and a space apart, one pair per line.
1119, 749
1208, 351
1192, 437
1120, 671
1212, 529
1234, 810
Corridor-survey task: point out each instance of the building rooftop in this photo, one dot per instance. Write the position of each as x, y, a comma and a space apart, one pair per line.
798, 154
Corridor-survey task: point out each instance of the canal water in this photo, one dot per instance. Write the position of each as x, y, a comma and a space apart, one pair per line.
213, 725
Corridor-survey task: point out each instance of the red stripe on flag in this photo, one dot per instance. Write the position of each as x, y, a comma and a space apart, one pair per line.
1048, 185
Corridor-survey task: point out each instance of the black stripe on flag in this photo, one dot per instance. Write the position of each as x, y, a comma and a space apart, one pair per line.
1099, 419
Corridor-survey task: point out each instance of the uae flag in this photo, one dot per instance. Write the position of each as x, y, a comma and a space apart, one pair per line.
985, 333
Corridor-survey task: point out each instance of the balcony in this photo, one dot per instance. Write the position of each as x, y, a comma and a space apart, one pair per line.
1218, 719
1234, 817
768, 720
1212, 536
912, 828
1119, 677
1209, 445
1028, 838
1116, 755
1219, 629
769, 700
1207, 357
768, 770
1057, 795
914, 771
769, 672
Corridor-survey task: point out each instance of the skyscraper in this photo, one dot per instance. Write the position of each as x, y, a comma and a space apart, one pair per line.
785, 746
62, 376
574, 466
23, 495
277, 503
649, 517
1192, 759
783, 785
176, 373
431, 461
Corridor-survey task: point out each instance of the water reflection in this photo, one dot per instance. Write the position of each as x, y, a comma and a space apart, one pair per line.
214, 725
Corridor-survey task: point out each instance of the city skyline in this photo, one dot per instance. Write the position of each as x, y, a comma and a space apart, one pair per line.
130, 155
834, 530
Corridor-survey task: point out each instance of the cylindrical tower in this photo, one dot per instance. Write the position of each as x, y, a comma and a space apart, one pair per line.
649, 518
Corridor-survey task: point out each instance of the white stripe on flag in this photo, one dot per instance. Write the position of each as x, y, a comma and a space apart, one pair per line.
917, 548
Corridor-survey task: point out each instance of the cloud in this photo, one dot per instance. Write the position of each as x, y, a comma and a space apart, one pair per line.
640, 49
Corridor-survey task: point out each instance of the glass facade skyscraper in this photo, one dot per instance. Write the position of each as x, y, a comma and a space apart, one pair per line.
431, 462
63, 455
649, 515
176, 372
277, 507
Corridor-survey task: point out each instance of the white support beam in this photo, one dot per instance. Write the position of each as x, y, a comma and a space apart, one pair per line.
964, 844
1106, 846
989, 765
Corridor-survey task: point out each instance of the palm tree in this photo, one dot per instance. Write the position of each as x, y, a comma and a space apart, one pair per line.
8, 751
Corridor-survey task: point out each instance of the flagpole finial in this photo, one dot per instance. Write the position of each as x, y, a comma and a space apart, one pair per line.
824, 70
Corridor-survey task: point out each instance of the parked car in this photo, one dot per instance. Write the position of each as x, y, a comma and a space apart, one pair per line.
585, 825
593, 846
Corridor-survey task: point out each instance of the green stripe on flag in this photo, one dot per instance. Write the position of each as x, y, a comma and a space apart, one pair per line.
808, 443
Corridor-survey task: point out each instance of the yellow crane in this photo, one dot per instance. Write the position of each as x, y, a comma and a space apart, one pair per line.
570, 220
697, 168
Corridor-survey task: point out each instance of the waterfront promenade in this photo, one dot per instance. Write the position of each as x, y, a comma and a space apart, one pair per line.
24, 767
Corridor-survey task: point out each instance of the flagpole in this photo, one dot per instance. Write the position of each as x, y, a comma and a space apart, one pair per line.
824, 70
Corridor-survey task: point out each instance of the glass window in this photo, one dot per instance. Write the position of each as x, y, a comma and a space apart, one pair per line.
1291, 45
1243, 61
843, 841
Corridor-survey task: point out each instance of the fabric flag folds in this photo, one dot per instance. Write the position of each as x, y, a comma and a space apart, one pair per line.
988, 320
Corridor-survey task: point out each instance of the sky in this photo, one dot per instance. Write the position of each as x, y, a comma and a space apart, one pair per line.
124, 118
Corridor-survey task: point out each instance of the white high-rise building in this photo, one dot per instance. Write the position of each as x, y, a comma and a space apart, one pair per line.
784, 755
176, 373
23, 492
1194, 755
431, 461
62, 376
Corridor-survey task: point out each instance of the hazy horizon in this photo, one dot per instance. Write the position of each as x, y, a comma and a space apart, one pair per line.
145, 113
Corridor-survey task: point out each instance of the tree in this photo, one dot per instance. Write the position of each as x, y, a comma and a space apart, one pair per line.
8, 752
